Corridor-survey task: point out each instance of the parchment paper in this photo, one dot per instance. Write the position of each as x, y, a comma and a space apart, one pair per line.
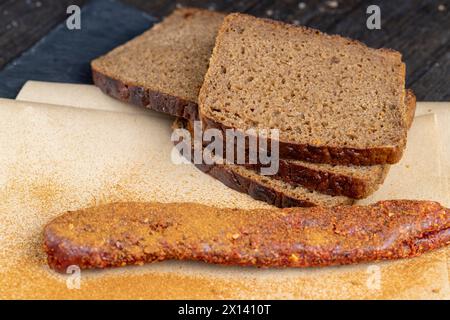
56, 158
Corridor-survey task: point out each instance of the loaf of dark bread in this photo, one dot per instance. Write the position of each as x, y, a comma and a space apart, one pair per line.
120, 74
334, 100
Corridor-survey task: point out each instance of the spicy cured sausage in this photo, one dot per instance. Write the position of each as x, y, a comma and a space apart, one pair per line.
121, 234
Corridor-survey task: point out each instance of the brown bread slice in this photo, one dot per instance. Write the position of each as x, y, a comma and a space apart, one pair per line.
163, 68
338, 180
333, 99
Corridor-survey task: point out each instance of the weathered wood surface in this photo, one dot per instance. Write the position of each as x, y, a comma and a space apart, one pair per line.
64, 55
420, 29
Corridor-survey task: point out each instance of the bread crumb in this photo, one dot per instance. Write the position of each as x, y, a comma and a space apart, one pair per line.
332, 4
301, 5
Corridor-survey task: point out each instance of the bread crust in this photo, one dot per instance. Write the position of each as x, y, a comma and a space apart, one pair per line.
122, 234
323, 181
144, 97
324, 154
254, 189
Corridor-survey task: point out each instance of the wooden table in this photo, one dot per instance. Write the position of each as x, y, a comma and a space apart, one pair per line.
418, 29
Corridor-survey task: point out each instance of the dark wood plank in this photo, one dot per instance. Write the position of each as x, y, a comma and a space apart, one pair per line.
24, 22
162, 8
417, 28
422, 41
330, 13
294, 11
433, 85
312, 13
64, 55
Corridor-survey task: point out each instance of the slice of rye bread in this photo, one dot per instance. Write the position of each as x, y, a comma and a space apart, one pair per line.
338, 180
265, 188
163, 68
334, 100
